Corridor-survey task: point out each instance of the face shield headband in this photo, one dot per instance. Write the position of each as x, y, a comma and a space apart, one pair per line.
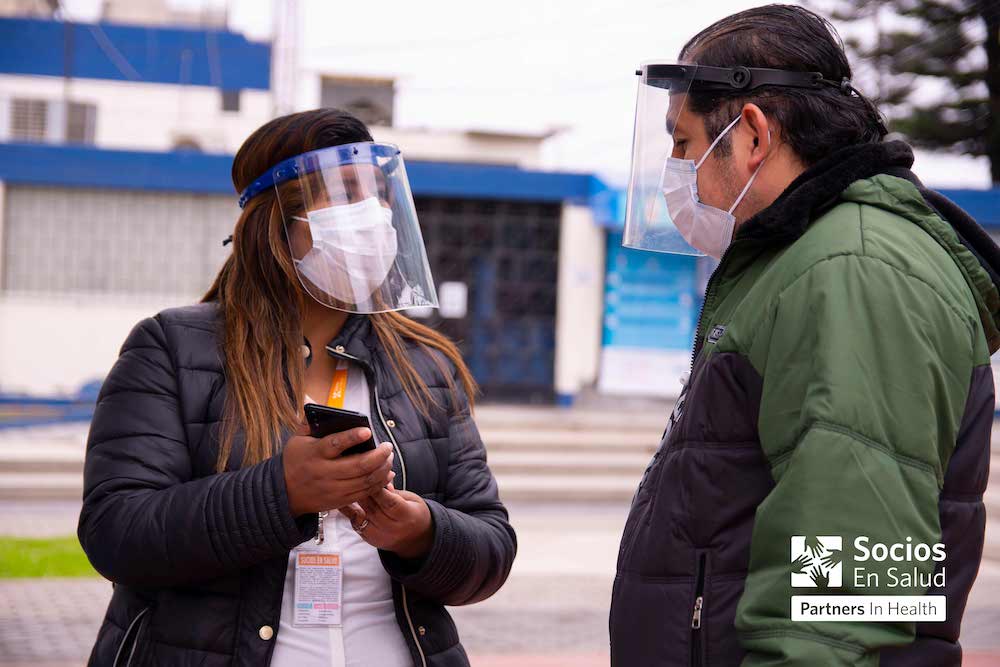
312, 161
663, 211
736, 79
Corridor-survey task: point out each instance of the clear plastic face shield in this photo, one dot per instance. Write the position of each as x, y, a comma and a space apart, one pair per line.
661, 101
352, 228
663, 211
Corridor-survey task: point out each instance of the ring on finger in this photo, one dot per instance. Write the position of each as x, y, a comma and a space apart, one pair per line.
361, 528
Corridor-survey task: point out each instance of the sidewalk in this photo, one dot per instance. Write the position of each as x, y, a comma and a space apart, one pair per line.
552, 612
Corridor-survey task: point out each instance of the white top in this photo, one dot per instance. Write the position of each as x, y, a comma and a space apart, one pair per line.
369, 634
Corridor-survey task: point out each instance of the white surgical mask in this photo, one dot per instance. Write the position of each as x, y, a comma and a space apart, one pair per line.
704, 227
354, 248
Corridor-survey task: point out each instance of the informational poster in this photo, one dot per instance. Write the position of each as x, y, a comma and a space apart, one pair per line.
651, 303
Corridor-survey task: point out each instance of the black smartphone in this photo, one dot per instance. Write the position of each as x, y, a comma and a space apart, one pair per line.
324, 420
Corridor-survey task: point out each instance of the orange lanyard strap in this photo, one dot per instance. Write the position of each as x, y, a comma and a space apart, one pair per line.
338, 388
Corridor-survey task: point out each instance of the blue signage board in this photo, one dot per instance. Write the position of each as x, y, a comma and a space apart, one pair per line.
650, 299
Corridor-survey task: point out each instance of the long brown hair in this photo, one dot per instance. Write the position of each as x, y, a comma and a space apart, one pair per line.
262, 300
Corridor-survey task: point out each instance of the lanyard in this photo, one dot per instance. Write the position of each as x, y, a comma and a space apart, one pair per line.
338, 387
334, 399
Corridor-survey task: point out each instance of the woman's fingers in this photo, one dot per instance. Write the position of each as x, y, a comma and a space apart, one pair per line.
380, 485
354, 491
369, 507
362, 465
391, 503
334, 444
354, 512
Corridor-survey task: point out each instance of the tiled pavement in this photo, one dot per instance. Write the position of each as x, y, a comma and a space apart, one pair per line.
553, 610
551, 613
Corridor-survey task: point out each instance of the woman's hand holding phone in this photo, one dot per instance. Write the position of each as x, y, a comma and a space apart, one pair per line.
318, 479
397, 521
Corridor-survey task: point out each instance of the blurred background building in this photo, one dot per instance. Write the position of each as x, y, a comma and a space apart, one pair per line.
116, 146
116, 140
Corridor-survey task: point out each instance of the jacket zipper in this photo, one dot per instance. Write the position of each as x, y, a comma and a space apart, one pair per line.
704, 306
699, 603
135, 640
402, 469
701, 313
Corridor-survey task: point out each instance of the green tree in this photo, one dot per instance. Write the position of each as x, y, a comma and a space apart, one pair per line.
906, 44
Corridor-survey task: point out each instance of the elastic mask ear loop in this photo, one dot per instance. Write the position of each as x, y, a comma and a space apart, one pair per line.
717, 140
746, 188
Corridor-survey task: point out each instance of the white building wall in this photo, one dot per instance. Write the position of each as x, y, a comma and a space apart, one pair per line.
132, 115
437, 145
80, 267
466, 147
579, 301
51, 345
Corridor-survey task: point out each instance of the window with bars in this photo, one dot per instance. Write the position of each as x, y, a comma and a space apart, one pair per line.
81, 119
28, 119
371, 100
230, 100
507, 254
33, 119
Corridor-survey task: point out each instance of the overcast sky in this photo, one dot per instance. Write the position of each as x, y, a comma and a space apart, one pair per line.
515, 66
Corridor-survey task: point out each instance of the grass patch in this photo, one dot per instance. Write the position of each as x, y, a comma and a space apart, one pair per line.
46, 557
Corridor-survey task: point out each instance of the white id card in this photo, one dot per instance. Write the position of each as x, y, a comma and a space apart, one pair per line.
319, 579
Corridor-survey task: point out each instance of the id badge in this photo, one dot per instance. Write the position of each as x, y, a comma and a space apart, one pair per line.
319, 582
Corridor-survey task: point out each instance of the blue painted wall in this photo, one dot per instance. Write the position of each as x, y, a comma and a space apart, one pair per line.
86, 166
983, 205
150, 54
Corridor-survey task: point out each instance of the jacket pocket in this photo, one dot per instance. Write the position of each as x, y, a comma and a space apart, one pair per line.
131, 640
641, 508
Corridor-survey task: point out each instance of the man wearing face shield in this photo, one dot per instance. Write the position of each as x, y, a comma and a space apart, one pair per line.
840, 390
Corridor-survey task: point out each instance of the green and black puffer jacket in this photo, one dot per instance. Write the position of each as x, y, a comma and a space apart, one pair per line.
841, 388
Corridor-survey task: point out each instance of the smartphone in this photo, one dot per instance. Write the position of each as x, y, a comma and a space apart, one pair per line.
324, 420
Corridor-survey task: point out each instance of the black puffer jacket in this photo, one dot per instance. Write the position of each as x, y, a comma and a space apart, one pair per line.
198, 558
841, 390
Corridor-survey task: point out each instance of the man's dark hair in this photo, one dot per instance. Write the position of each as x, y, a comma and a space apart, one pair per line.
813, 122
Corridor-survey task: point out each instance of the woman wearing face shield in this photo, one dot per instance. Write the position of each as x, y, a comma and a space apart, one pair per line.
232, 535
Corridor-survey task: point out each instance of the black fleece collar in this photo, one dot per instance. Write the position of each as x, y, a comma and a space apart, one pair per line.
818, 188
355, 336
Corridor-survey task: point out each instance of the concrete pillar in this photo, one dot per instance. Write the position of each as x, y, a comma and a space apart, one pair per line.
579, 302
3, 215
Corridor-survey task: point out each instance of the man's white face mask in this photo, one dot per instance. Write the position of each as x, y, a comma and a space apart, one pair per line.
705, 227
354, 248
